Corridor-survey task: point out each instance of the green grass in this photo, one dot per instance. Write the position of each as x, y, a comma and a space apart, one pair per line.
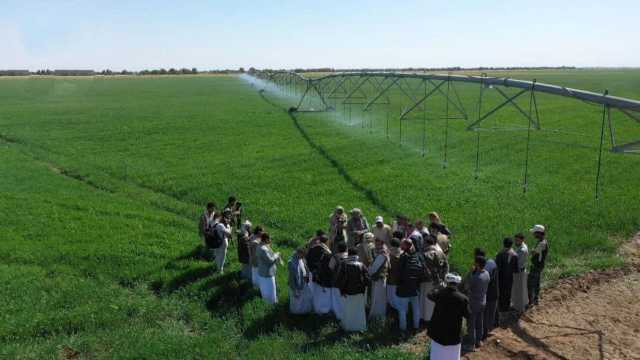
102, 182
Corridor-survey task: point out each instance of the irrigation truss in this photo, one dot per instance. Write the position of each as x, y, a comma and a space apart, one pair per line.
366, 90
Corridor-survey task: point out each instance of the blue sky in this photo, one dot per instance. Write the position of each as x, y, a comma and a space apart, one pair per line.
134, 35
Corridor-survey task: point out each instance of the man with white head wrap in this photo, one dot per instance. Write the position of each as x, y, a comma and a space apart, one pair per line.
337, 228
366, 248
451, 306
357, 226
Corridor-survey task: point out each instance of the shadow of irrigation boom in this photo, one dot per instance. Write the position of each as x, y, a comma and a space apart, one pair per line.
342, 171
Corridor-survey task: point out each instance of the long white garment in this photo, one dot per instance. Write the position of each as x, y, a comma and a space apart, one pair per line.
300, 302
378, 290
519, 293
426, 305
444, 352
391, 296
337, 303
354, 317
224, 231
378, 299
254, 277
268, 289
321, 299
221, 255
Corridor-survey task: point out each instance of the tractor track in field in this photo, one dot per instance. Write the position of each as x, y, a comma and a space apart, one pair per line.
341, 169
23, 147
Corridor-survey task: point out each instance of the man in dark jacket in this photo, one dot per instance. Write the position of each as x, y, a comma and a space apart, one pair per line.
353, 280
507, 262
318, 258
411, 273
446, 322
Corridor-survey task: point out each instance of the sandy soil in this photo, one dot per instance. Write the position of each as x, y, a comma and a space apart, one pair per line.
595, 316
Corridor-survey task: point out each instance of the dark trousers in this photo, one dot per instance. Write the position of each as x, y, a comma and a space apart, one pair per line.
489, 321
475, 327
533, 285
504, 297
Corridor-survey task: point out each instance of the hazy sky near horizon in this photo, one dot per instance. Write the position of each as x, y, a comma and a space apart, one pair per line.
139, 34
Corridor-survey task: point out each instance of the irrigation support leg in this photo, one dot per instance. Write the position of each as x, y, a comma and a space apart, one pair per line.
388, 115
605, 110
477, 171
525, 181
446, 127
611, 129
424, 120
306, 90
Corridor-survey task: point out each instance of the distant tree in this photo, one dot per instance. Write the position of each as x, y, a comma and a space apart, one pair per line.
252, 70
173, 71
241, 70
194, 70
163, 71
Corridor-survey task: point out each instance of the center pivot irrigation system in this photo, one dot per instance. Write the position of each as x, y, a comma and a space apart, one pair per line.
367, 89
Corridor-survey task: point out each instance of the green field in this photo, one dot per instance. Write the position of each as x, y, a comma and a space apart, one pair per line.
102, 181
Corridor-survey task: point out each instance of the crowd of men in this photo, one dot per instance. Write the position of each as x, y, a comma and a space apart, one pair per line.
357, 272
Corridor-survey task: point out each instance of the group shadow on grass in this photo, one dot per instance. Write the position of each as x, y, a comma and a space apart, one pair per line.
229, 293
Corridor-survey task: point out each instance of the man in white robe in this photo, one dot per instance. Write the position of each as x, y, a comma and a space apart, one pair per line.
378, 274
519, 294
267, 262
223, 231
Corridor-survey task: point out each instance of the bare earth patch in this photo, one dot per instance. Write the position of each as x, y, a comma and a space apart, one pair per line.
593, 316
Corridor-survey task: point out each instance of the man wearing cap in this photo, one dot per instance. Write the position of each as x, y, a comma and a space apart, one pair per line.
538, 259
382, 231
519, 297
446, 323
